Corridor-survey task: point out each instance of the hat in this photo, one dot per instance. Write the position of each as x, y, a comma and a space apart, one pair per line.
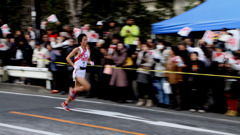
64, 34
99, 23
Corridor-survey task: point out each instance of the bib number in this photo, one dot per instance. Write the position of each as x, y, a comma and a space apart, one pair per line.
83, 64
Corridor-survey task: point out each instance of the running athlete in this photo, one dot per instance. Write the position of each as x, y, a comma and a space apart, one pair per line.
81, 59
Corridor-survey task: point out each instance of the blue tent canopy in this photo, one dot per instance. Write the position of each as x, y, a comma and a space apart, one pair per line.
210, 15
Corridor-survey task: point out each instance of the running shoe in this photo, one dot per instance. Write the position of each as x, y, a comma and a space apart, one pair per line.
65, 106
72, 93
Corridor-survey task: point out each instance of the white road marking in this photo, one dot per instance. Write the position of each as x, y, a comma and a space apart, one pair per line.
28, 129
138, 108
139, 119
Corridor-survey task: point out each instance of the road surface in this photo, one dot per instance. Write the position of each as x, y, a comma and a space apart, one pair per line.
32, 110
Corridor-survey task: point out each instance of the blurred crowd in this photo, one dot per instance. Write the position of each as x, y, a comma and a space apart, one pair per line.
121, 48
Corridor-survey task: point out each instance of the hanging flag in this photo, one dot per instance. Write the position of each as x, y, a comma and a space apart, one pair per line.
184, 31
52, 18
77, 32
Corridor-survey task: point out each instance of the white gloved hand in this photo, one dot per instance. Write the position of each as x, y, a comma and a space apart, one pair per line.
91, 63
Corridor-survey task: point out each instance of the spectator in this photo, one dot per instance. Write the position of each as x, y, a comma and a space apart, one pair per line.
31, 33
197, 93
160, 56
130, 32
40, 55
233, 93
4, 54
53, 68
19, 36
52, 36
100, 29
68, 29
100, 43
144, 81
218, 83
26, 53
30, 41
45, 40
174, 63
189, 42
112, 31
119, 76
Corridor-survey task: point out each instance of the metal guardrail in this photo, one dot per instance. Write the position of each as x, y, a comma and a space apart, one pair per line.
28, 72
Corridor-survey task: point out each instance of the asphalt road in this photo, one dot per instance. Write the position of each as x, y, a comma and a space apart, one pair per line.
32, 110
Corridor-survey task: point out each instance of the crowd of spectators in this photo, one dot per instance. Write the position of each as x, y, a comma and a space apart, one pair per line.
121, 47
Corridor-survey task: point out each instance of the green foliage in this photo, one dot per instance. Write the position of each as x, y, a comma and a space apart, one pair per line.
119, 10
193, 4
12, 13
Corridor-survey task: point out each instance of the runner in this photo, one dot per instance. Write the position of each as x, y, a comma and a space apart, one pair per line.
81, 59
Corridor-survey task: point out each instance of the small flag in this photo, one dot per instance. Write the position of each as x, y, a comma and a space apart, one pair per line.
52, 18
185, 31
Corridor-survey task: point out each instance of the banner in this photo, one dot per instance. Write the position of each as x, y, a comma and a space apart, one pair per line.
52, 18
77, 32
5, 29
185, 31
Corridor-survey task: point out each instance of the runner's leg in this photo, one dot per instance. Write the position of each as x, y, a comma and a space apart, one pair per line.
68, 100
84, 85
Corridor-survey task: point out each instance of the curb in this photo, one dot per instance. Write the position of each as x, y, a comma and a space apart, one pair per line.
21, 87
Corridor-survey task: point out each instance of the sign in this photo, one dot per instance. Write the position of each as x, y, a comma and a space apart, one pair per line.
5, 29
52, 18
77, 32
185, 31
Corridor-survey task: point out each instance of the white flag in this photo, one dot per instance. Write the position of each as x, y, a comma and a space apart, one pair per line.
52, 18
208, 37
185, 31
76, 32
43, 25
92, 37
5, 29
233, 42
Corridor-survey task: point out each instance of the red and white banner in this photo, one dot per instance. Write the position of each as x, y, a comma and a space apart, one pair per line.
52, 18
184, 31
77, 32
43, 25
5, 29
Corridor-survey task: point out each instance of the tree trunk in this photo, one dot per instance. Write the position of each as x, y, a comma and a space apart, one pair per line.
74, 13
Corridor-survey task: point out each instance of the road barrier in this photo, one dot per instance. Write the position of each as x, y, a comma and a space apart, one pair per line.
28, 72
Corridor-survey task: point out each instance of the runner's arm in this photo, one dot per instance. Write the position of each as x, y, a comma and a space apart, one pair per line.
70, 55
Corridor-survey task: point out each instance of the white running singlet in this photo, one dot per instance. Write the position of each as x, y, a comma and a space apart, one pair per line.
82, 63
